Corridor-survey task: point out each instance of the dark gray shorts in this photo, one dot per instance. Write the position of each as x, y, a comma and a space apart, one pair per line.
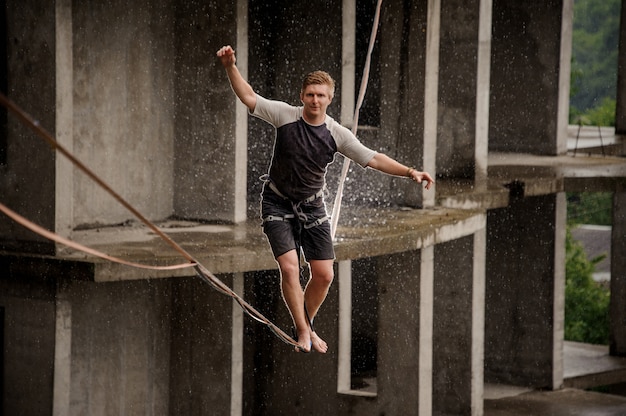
316, 242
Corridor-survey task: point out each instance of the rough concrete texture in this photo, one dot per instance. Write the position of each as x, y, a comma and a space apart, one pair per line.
525, 60
519, 330
123, 94
27, 180
567, 402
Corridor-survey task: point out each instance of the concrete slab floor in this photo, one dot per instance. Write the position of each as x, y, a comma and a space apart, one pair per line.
585, 366
566, 402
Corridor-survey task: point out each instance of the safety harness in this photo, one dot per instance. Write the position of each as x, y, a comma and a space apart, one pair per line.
295, 206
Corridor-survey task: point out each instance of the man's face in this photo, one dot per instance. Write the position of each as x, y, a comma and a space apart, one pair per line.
316, 99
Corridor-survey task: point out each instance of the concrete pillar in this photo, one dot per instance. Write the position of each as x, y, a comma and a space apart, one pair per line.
428, 147
528, 73
64, 178
565, 70
478, 323
618, 276
348, 65
237, 374
620, 113
458, 338
405, 346
481, 152
62, 356
344, 347
525, 292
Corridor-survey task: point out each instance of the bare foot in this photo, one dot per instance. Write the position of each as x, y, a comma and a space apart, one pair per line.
318, 344
304, 341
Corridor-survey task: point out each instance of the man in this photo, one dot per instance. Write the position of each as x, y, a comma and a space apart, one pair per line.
292, 208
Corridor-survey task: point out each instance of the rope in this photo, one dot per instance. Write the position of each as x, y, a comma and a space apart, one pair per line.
355, 121
202, 272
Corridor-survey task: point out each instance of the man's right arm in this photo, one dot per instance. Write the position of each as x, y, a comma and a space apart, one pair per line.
240, 86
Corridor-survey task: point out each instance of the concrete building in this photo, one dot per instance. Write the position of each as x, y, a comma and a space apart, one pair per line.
437, 292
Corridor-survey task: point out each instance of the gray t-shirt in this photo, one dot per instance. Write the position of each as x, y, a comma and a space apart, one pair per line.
303, 151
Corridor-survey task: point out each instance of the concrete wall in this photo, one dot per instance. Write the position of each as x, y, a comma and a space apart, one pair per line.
457, 88
403, 40
120, 350
524, 303
28, 350
200, 350
525, 76
206, 146
123, 108
27, 180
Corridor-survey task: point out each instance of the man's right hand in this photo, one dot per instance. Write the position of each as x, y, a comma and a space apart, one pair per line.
244, 91
227, 56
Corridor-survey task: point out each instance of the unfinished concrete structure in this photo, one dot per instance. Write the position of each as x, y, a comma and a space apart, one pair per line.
436, 293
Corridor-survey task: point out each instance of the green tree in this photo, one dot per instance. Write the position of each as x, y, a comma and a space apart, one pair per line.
590, 208
594, 52
586, 301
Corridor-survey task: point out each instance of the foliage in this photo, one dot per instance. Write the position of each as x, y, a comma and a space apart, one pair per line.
594, 51
586, 301
601, 115
590, 208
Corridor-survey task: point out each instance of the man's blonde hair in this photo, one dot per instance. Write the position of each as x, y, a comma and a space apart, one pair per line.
319, 78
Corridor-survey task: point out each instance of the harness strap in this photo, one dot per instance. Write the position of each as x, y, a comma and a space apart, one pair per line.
286, 217
266, 178
317, 222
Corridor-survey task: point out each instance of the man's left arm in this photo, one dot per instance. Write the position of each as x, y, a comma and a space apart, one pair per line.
384, 163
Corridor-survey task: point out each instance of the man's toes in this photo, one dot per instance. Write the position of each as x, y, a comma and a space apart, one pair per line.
318, 344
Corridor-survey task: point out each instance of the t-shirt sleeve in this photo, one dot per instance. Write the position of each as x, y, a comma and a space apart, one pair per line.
277, 113
350, 146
